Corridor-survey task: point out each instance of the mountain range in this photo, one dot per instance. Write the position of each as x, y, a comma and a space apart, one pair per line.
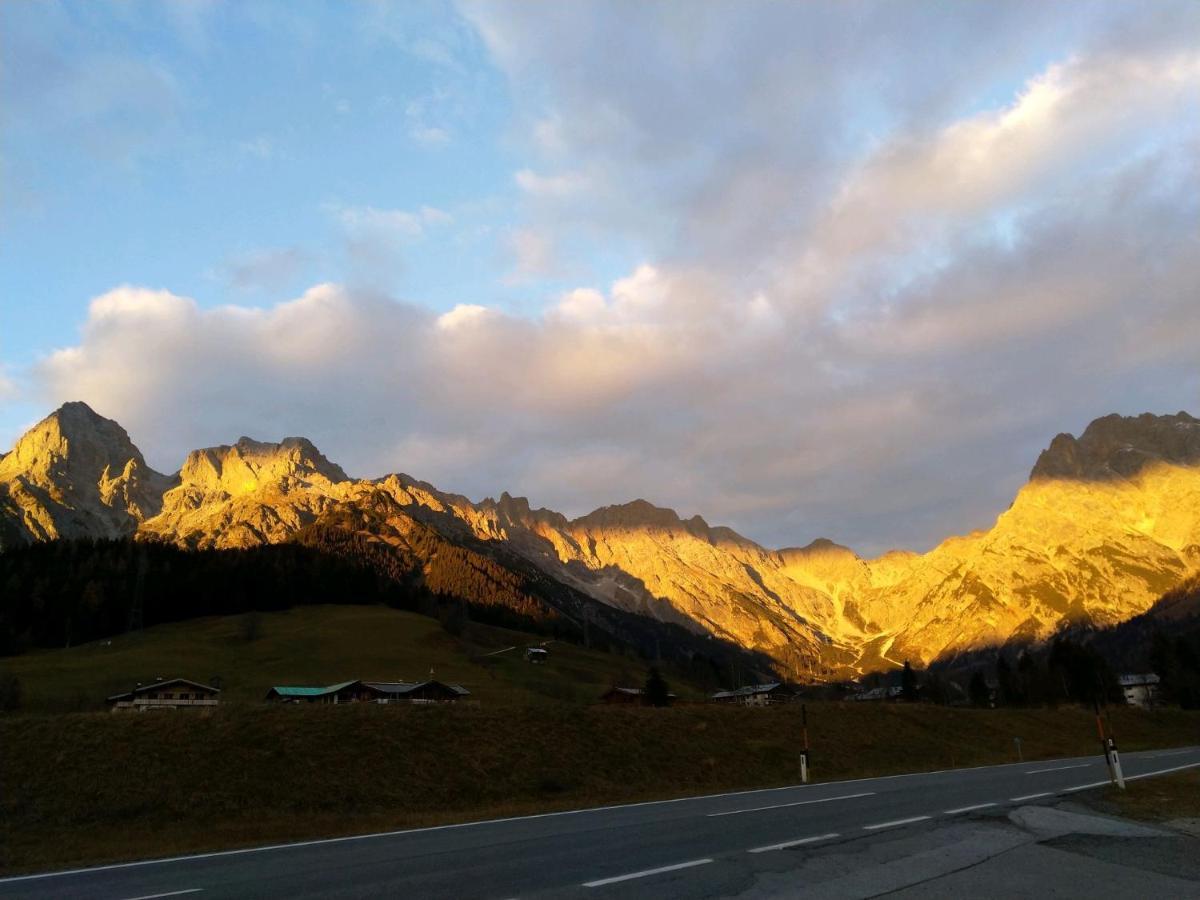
1106, 524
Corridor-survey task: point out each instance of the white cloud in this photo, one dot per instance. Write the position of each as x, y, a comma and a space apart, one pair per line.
879, 273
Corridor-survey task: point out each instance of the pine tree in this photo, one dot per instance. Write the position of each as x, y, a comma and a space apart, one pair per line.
657, 692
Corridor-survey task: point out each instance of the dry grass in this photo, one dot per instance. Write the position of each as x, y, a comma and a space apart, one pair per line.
1159, 799
87, 787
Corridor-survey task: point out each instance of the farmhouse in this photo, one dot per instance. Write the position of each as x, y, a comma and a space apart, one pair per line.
1140, 690
627, 696
415, 692
346, 692
756, 695
170, 693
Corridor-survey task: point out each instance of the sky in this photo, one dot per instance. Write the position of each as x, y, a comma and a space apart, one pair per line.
811, 269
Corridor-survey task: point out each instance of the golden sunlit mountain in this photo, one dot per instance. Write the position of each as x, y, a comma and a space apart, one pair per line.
1106, 524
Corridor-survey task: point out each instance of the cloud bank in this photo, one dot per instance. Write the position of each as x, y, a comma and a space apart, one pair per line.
888, 253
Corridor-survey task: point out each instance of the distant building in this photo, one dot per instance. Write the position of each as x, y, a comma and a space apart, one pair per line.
875, 695
628, 696
170, 693
416, 691
756, 695
346, 692
536, 654
1140, 690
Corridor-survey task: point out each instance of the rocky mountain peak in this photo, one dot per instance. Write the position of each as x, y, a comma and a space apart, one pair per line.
248, 464
77, 474
1117, 446
73, 441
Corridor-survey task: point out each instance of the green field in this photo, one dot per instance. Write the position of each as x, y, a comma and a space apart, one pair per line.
321, 645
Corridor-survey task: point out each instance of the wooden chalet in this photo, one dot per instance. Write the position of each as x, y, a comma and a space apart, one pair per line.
416, 692
166, 693
756, 695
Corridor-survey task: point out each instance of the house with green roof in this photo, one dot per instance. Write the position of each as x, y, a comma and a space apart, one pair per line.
345, 692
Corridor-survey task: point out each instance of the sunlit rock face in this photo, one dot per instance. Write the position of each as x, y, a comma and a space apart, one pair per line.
248, 493
75, 474
1106, 524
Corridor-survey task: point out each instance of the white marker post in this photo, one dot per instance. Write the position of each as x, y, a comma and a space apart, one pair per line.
1115, 763
804, 750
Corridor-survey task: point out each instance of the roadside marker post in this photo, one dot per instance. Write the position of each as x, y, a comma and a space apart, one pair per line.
1020, 756
804, 750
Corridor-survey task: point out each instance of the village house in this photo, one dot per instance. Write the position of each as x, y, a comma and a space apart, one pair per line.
756, 695
1140, 690
880, 693
627, 696
416, 692
346, 692
536, 654
169, 693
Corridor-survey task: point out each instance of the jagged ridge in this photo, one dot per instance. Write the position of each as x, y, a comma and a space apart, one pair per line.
1107, 523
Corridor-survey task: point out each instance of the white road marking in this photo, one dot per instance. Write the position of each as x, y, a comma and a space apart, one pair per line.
1162, 771
1031, 797
895, 823
796, 843
963, 809
1059, 769
645, 873
734, 812
1084, 787
168, 894
1170, 753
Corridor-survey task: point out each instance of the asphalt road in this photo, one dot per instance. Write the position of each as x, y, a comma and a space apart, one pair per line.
678, 848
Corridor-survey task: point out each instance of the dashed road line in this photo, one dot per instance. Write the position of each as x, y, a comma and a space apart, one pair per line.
895, 823
1025, 797
734, 812
796, 843
168, 894
966, 809
600, 882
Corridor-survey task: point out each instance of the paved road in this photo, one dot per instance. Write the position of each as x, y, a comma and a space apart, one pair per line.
689, 847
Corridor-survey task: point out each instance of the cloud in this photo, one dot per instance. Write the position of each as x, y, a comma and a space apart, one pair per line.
881, 259
269, 269
376, 238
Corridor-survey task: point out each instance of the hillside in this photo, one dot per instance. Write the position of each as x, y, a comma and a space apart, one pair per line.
323, 645
1108, 522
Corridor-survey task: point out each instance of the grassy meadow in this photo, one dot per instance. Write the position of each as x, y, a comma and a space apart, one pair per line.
79, 785
320, 645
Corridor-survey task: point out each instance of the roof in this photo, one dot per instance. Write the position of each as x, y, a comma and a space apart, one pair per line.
408, 687
142, 688
1137, 680
747, 691
536, 650
285, 691
633, 692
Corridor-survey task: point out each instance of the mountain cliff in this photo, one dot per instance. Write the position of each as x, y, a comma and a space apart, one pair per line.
1106, 524
76, 474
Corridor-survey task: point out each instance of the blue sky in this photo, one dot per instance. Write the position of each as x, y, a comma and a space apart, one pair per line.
806, 269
